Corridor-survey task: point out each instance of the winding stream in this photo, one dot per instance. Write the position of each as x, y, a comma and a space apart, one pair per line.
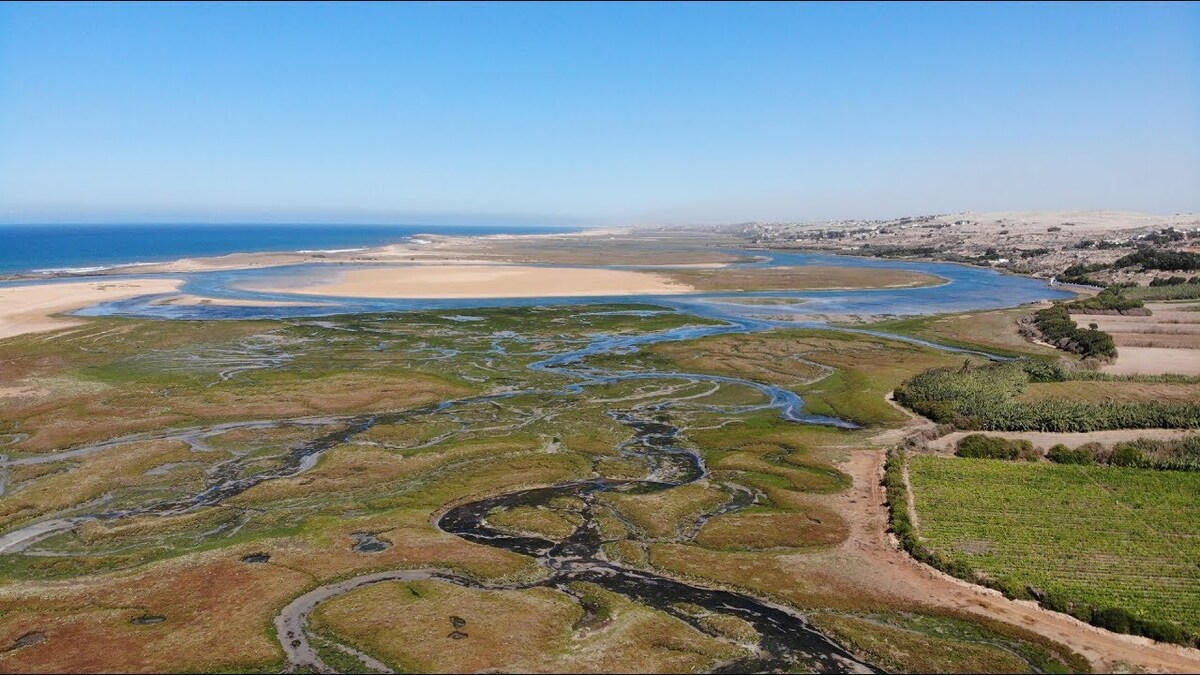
785, 639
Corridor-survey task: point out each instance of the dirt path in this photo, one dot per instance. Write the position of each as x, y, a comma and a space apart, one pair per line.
1046, 440
894, 572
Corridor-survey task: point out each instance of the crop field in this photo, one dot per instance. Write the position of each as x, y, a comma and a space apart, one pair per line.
1086, 538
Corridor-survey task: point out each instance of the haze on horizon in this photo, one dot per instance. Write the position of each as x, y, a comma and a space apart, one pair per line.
593, 113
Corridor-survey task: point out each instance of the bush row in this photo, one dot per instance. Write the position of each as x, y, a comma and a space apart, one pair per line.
1181, 454
1110, 299
1153, 259
1058, 328
1173, 281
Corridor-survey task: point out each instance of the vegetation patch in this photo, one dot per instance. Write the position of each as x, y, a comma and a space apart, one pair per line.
988, 397
1157, 259
1111, 300
992, 447
762, 531
1113, 546
1058, 328
1180, 454
920, 643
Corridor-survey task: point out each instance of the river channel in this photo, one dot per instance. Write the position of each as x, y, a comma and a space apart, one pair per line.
786, 641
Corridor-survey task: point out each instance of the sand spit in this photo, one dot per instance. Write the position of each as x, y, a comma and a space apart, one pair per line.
31, 309
486, 281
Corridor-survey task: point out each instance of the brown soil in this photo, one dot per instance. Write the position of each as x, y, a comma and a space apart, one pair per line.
1168, 341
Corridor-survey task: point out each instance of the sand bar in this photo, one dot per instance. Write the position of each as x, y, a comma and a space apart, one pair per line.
31, 309
186, 300
485, 281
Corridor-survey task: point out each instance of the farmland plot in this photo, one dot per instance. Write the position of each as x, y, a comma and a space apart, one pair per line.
1093, 538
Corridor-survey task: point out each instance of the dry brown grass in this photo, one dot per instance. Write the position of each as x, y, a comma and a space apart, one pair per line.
218, 615
554, 525
517, 631
897, 649
996, 329
663, 514
762, 531
1167, 341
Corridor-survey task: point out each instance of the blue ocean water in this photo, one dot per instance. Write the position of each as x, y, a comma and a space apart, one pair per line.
28, 248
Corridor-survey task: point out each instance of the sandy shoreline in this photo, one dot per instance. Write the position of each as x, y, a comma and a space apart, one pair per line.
485, 281
31, 309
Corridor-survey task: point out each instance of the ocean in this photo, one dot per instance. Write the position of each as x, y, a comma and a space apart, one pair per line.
38, 248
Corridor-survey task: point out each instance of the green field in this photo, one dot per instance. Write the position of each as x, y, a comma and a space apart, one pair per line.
1080, 537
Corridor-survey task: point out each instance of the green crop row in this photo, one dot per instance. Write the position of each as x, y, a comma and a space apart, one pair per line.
1111, 546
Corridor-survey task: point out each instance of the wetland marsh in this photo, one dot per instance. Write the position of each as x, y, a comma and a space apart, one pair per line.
655, 486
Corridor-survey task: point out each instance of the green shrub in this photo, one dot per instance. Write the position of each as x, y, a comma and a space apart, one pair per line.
1110, 298
1061, 454
1152, 259
1127, 454
991, 447
1057, 326
1044, 371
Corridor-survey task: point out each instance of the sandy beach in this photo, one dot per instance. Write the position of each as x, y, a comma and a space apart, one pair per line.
31, 309
485, 281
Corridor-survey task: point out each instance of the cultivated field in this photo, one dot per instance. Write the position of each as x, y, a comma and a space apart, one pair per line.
1088, 538
1167, 341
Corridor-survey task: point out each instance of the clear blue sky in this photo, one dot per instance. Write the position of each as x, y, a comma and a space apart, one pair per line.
594, 113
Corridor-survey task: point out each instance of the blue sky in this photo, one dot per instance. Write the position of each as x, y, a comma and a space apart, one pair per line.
593, 113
